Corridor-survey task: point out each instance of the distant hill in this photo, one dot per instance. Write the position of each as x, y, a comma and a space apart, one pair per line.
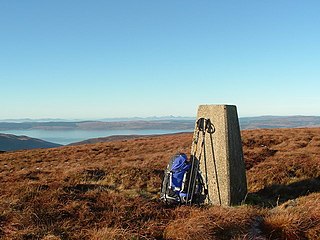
99, 125
279, 122
9, 142
108, 139
184, 124
119, 138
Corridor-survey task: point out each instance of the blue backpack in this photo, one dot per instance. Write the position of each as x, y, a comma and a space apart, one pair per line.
176, 186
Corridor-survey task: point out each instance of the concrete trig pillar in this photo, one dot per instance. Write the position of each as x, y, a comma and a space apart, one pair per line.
226, 174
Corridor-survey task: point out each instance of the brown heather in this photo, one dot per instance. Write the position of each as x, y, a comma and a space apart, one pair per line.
110, 191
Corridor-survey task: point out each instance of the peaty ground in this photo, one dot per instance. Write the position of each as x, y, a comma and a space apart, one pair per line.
110, 191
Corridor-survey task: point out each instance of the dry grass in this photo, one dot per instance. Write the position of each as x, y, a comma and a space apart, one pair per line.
214, 223
296, 219
110, 190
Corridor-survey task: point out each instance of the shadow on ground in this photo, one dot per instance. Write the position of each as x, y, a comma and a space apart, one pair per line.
274, 195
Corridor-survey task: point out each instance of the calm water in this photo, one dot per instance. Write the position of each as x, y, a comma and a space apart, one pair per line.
70, 136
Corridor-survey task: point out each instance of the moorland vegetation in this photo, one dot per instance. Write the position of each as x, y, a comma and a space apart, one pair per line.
110, 191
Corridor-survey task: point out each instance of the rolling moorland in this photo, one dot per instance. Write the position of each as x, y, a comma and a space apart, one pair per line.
110, 190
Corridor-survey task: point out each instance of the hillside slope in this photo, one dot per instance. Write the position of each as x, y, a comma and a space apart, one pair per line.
118, 138
9, 142
110, 190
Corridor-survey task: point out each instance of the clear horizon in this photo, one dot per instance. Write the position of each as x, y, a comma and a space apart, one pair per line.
122, 59
151, 118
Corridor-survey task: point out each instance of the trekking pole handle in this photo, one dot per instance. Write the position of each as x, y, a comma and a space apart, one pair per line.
205, 125
209, 126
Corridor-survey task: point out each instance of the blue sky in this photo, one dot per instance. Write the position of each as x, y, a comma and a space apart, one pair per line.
124, 58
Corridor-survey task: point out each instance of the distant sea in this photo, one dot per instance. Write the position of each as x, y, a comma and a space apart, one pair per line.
70, 136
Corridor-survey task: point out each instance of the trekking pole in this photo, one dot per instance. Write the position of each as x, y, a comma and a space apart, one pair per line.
192, 166
192, 176
201, 127
211, 130
205, 157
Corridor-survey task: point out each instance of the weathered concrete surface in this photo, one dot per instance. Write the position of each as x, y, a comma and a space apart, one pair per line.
226, 174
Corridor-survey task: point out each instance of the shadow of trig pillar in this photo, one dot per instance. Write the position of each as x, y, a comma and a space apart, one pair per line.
219, 151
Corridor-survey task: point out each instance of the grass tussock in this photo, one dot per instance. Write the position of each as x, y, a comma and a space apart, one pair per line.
214, 223
110, 190
295, 219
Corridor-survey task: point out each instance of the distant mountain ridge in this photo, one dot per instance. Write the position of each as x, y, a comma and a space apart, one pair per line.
169, 123
279, 122
10, 142
100, 125
114, 119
